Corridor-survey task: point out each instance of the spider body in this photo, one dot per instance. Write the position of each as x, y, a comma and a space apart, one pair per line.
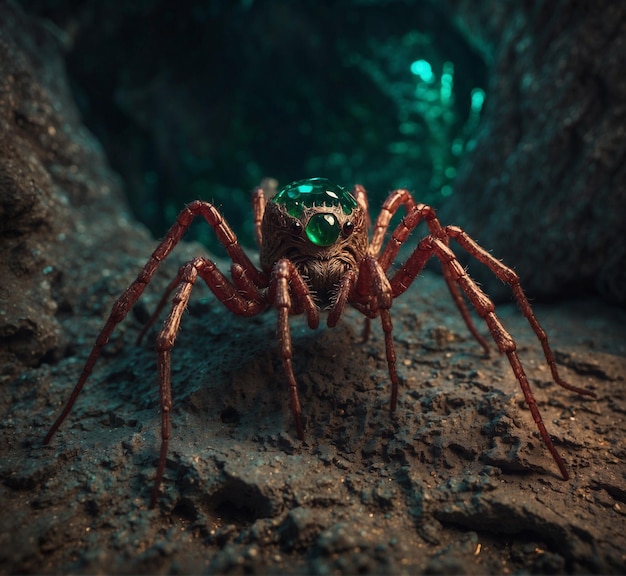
315, 253
320, 228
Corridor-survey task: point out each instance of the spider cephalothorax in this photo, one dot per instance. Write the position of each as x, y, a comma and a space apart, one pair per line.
318, 226
315, 253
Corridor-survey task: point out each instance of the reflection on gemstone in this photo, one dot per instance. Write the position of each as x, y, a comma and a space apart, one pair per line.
322, 229
314, 192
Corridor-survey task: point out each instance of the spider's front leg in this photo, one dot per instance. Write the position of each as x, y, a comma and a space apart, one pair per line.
238, 303
244, 298
372, 295
402, 198
288, 292
127, 300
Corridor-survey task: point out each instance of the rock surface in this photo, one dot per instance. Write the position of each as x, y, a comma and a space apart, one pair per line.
545, 186
457, 480
54, 186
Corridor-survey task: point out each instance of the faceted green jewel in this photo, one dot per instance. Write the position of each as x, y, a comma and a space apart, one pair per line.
322, 229
314, 192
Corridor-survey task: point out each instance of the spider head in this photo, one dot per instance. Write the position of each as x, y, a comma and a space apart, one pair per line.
317, 225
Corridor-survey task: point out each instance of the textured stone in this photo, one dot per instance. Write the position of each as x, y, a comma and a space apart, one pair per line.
545, 187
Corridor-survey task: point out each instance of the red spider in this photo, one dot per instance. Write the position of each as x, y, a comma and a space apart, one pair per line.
315, 253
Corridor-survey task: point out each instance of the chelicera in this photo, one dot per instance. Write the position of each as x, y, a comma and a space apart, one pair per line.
315, 254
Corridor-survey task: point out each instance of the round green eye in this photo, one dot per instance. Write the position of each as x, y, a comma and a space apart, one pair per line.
322, 229
314, 192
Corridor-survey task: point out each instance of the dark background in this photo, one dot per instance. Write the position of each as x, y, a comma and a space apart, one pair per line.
202, 100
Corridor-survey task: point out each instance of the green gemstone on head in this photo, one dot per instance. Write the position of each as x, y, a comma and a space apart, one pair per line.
322, 229
314, 192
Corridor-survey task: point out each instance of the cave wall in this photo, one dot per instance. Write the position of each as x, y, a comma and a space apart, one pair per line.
545, 186
61, 206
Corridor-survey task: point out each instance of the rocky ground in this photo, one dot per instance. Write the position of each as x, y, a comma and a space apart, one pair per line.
457, 480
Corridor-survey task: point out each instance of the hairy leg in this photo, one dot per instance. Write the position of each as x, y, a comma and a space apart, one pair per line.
226, 293
438, 246
289, 292
415, 213
372, 295
127, 300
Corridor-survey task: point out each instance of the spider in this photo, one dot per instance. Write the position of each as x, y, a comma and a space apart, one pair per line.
315, 255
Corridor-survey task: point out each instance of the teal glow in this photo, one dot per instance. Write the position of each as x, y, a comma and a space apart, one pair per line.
398, 147
408, 128
457, 147
446, 190
478, 99
447, 82
424, 70
450, 172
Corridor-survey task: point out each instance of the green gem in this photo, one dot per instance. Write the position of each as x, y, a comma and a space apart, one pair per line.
322, 229
314, 192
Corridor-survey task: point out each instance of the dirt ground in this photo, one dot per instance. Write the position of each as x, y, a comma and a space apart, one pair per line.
456, 481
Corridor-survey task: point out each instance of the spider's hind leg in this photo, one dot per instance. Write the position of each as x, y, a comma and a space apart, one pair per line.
509, 276
486, 310
461, 306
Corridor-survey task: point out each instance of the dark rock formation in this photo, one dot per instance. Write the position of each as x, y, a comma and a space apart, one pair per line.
545, 187
60, 204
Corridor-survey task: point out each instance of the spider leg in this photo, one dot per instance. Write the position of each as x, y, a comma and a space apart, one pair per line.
415, 214
159, 307
240, 279
509, 276
393, 202
127, 300
120, 309
244, 284
360, 194
341, 298
258, 208
232, 299
280, 295
373, 296
267, 189
486, 310
164, 345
